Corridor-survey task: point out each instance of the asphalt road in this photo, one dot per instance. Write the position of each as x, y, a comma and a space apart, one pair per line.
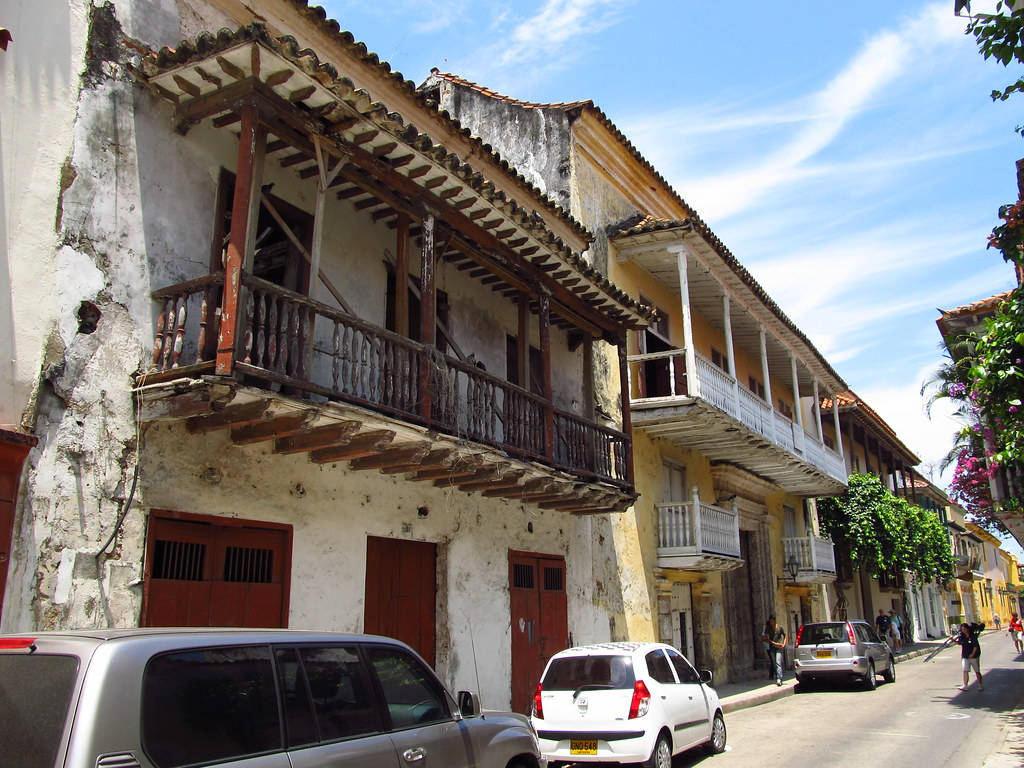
921, 719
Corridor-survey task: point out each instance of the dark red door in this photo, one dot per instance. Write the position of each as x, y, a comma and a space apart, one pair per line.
14, 447
210, 572
540, 625
401, 592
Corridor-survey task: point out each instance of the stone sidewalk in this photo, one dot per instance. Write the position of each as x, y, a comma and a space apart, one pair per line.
751, 693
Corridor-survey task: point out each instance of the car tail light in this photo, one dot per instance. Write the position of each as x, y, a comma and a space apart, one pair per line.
16, 643
849, 633
641, 700
538, 708
799, 634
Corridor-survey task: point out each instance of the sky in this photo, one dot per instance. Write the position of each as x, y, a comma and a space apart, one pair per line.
849, 154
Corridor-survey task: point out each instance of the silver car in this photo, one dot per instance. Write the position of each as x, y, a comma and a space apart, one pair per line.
842, 650
249, 698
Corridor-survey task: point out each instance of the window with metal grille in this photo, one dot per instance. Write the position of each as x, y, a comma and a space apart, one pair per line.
553, 579
249, 564
522, 576
181, 560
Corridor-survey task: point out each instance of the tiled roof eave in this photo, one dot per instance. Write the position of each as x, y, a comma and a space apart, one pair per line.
165, 70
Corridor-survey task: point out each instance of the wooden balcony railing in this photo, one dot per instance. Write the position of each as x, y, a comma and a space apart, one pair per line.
721, 390
815, 554
308, 347
696, 528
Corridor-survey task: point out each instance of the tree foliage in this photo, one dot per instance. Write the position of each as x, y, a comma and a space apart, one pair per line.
884, 533
1000, 36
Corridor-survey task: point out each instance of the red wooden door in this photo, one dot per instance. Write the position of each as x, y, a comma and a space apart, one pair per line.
12, 455
539, 614
208, 572
401, 592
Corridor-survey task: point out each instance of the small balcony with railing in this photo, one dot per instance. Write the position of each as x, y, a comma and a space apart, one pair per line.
811, 557
697, 536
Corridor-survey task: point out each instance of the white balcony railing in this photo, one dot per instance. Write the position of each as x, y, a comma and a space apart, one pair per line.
696, 528
721, 390
815, 555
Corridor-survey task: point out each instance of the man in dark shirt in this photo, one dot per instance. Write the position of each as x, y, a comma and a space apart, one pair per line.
882, 624
775, 639
970, 654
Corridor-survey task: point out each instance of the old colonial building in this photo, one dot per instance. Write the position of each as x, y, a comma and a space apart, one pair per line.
729, 443
298, 350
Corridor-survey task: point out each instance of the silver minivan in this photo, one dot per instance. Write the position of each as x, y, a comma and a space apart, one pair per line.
163, 698
842, 650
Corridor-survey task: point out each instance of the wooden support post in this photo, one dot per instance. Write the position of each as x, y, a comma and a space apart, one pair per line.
523, 342
627, 418
402, 275
817, 412
796, 394
588, 377
730, 350
544, 302
692, 382
235, 262
764, 368
428, 308
835, 424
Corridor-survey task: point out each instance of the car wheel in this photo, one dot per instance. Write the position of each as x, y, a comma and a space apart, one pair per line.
661, 757
716, 745
803, 684
890, 674
870, 681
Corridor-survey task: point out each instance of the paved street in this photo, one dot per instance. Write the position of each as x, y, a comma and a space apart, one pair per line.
922, 719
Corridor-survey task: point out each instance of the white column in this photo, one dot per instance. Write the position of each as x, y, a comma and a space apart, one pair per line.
692, 382
817, 413
764, 369
835, 423
730, 350
796, 393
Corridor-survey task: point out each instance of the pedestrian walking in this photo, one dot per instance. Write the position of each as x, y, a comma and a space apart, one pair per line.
970, 654
997, 621
882, 623
1015, 630
896, 629
775, 639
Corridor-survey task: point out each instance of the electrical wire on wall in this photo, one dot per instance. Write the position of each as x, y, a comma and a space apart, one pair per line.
127, 503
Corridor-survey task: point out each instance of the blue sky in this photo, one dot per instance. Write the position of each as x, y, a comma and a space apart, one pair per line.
847, 153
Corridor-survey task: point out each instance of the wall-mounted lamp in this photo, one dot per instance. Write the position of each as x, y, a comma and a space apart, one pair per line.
792, 566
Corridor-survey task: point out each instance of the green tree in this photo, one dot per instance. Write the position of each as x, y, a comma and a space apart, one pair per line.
884, 533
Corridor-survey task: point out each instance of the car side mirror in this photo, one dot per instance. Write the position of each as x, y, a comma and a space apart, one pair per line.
469, 703
705, 676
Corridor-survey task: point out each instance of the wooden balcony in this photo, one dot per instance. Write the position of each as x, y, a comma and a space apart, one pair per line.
710, 411
816, 558
698, 537
318, 380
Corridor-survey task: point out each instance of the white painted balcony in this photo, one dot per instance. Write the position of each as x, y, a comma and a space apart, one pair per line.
698, 536
709, 410
816, 558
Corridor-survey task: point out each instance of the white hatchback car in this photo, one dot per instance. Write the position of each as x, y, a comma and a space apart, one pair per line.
625, 703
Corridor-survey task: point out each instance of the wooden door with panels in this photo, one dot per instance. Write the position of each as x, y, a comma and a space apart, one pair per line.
401, 592
539, 615
204, 571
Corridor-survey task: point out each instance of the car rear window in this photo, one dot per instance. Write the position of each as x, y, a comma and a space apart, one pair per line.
572, 672
815, 634
35, 694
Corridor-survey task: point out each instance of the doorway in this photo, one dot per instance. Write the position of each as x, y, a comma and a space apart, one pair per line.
681, 606
539, 616
401, 593
743, 637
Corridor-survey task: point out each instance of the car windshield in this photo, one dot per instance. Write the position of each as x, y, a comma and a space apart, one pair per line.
570, 673
35, 693
814, 634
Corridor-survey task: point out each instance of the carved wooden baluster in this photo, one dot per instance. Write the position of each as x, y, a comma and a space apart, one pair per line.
282, 335
376, 369
302, 326
204, 318
261, 325
179, 330
158, 342
336, 361
293, 340
362, 379
388, 373
168, 329
272, 333
346, 359
247, 320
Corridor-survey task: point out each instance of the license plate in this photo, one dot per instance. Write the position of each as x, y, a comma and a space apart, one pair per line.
825, 654
577, 747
